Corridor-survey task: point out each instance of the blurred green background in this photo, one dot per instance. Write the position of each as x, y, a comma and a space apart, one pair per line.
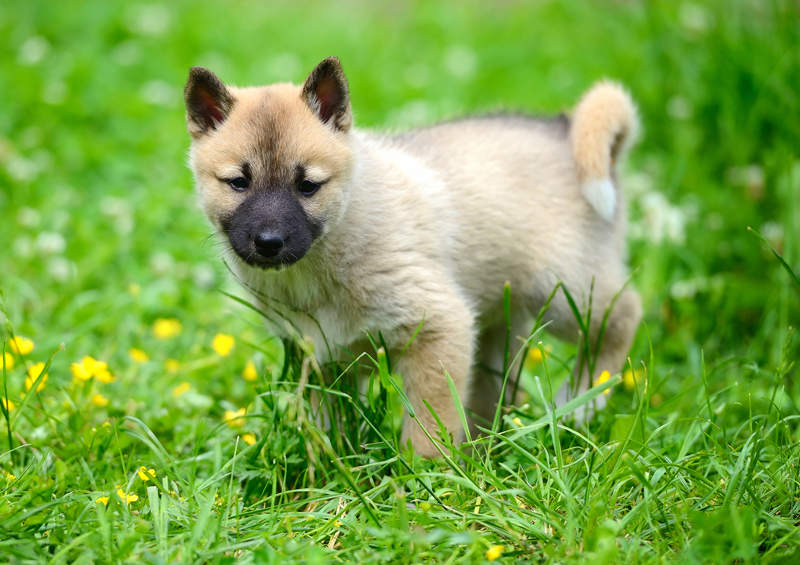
100, 234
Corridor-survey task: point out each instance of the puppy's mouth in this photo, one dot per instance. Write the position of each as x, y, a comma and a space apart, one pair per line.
282, 259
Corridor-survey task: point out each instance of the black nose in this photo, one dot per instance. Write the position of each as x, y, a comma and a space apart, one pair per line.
268, 244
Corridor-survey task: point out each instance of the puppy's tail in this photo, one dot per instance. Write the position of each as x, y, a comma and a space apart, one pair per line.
603, 126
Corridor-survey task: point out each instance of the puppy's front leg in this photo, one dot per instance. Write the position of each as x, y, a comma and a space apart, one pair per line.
445, 343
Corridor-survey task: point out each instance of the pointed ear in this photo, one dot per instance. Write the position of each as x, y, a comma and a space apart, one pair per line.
326, 93
208, 102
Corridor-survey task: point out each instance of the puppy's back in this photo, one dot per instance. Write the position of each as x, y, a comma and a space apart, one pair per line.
513, 196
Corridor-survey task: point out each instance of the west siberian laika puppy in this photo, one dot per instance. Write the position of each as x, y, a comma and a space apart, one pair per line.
345, 232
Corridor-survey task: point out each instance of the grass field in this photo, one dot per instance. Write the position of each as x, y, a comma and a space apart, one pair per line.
186, 434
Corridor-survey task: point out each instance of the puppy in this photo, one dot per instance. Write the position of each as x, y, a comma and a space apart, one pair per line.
340, 232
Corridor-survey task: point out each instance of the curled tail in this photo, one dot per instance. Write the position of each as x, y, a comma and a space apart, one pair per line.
603, 125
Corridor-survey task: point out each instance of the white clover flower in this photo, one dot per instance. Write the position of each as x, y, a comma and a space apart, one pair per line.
23, 247
149, 19
159, 93
204, 276
460, 61
120, 212
417, 75
285, 65
21, 169
50, 242
637, 182
773, 233
54, 92
127, 53
687, 289
161, 262
694, 17
679, 107
33, 50
750, 177
413, 113
60, 269
661, 221
28, 217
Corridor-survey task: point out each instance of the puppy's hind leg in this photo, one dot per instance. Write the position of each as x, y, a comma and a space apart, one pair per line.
487, 381
607, 355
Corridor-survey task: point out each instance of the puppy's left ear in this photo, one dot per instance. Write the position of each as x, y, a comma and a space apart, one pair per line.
208, 102
326, 93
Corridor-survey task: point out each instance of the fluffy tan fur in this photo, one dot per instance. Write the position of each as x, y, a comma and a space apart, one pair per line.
428, 226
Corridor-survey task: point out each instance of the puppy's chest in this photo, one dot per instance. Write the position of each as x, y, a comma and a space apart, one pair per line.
317, 307
330, 327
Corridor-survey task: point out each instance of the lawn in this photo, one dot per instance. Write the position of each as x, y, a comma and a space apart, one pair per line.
170, 426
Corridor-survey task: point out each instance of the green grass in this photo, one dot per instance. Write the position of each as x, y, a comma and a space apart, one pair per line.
698, 461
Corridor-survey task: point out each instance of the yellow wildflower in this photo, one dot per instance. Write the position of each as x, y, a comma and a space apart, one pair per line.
20, 345
146, 474
494, 552
90, 367
104, 376
249, 439
99, 369
79, 372
126, 498
7, 404
182, 388
165, 328
536, 354
604, 376
250, 373
102, 500
99, 400
93, 365
138, 356
33, 373
9, 476
234, 417
337, 523
630, 378
8, 360
172, 366
223, 344
517, 422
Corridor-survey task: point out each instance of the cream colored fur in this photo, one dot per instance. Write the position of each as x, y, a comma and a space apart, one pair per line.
429, 225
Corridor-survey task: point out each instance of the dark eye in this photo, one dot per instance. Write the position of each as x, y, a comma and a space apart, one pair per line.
309, 187
239, 184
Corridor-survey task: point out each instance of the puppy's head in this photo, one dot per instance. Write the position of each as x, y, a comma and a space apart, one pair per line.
272, 164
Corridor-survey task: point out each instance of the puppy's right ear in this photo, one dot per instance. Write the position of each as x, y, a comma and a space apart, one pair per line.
208, 102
